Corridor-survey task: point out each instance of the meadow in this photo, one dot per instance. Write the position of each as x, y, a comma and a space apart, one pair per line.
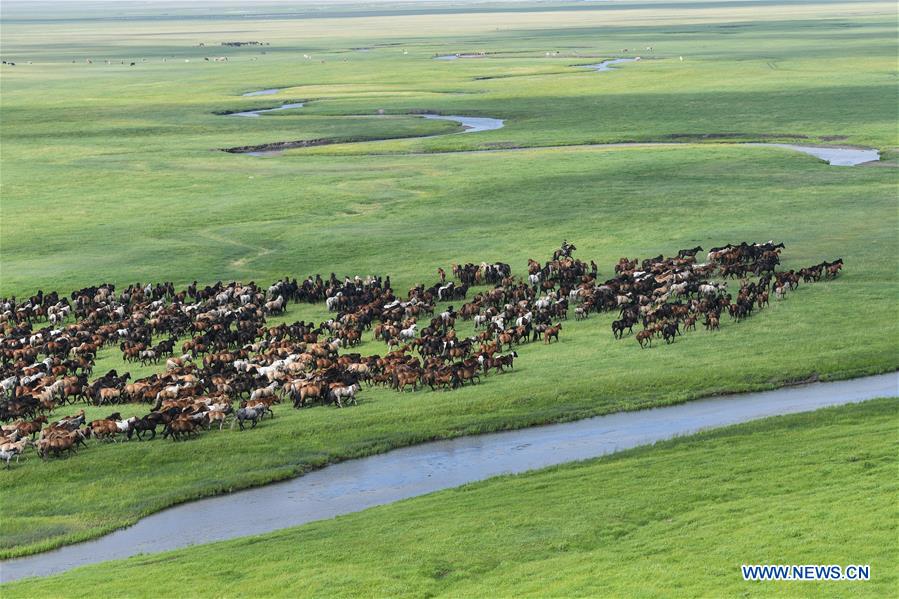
679, 517
112, 173
122, 159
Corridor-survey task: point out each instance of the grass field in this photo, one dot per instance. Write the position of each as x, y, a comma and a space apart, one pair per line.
109, 173
677, 518
587, 373
120, 158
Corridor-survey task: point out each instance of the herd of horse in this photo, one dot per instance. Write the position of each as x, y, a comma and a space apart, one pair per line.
234, 364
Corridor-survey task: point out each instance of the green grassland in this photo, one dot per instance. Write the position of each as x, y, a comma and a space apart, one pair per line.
122, 159
110, 173
831, 329
677, 518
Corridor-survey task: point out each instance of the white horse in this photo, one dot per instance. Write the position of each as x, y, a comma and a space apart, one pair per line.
7, 455
331, 302
168, 392
709, 289
270, 372
264, 392
409, 333
341, 393
223, 297
275, 306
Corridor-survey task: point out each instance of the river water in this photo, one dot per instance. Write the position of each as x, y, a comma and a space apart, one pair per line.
355, 485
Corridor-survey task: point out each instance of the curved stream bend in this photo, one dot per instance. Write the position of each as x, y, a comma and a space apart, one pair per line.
355, 485
256, 113
470, 124
833, 155
606, 65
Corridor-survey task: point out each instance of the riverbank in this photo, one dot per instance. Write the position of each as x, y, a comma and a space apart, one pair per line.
400, 474
601, 524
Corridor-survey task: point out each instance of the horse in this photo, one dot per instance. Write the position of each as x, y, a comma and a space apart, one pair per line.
7, 455
340, 392
243, 414
551, 333
833, 268
148, 356
619, 326
307, 391
264, 392
59, 442
690, 253
142, 425
217, 416
670, 331
182, 425
29, 428
404, 378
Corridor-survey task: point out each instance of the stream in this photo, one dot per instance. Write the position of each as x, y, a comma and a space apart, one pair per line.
355, 485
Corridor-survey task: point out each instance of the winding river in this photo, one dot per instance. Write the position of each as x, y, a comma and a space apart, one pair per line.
256, 113
470, 124
607, 65
833, 155
358, 484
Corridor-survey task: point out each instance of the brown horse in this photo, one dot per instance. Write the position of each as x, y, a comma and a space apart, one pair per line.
404, 378
645, 336
551, 333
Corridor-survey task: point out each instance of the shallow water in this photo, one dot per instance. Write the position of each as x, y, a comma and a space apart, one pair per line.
355, 485
263, 92
472, 124
458, 56
835, 156
606, 65
255, 113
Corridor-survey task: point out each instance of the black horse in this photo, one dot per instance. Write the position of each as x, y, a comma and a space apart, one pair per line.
142, 425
